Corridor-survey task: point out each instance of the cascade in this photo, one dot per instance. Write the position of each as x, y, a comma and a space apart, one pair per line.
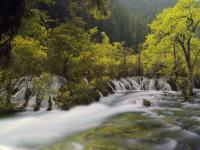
24, 83
152, 84
118, 85
131, 83
126, 83
135, 84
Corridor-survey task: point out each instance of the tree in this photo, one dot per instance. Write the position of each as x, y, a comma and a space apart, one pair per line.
128, 20
12, 13
178, 28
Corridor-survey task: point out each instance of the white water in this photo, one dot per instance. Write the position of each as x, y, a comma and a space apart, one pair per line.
28, 130
130, 83
124, 84
170, 145
34, 129
23, 83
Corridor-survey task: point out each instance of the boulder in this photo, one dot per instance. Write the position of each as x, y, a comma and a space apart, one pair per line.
146, 103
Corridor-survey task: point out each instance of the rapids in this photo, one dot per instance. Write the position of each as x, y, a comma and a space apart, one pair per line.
117, 122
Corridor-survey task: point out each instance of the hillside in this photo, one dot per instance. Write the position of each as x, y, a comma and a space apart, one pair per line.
129, 19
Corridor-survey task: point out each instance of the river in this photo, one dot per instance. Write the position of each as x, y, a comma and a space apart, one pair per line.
118, 122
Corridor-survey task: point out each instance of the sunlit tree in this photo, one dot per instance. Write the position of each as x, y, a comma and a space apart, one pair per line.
177, 29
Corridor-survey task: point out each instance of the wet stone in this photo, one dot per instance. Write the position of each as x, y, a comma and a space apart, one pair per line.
146, 103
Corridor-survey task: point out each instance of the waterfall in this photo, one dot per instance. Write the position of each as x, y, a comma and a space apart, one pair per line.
126, 83
131, 83
119, 86
26, 82
100, 94
85, 80
111, 87
135, 84
20, 95
123, 87
144, 84
152, 84
164, 85
31, 104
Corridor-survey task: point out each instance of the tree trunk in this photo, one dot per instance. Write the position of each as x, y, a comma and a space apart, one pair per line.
190, 68
190, 77
175, 62
187, 51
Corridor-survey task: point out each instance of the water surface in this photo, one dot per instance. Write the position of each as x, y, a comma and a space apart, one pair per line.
117, 122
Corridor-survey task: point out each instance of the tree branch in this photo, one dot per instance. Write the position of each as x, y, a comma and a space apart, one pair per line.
182, 45
196, 58
195, 26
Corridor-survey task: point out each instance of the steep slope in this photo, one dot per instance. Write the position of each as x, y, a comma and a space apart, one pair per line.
129, 19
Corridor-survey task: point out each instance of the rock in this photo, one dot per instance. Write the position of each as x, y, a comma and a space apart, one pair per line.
146, 103
15, 90
38, 104
28, 93
37, 108
197, 83
50, 105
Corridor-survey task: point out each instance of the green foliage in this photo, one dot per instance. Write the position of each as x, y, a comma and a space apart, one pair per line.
42, 86
65, 41
7, 108
34, 25
98, 8
42, 89
76, 94
128, 20
37, 49
174, 41
87, 56
74, 54
171, 24
29, 56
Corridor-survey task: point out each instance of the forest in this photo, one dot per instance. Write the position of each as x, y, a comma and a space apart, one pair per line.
66, 58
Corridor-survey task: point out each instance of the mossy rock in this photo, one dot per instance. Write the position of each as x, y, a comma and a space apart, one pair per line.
9, 108
105, 89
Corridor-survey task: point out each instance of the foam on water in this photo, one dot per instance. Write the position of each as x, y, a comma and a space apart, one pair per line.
33, 129
169, 145
30, 129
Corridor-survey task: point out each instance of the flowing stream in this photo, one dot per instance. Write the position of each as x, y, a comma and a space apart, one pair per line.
117, 122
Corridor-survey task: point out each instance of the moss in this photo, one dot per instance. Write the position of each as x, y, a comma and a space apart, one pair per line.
82, 93
104, 88
8, 108
116, 134
76, 94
